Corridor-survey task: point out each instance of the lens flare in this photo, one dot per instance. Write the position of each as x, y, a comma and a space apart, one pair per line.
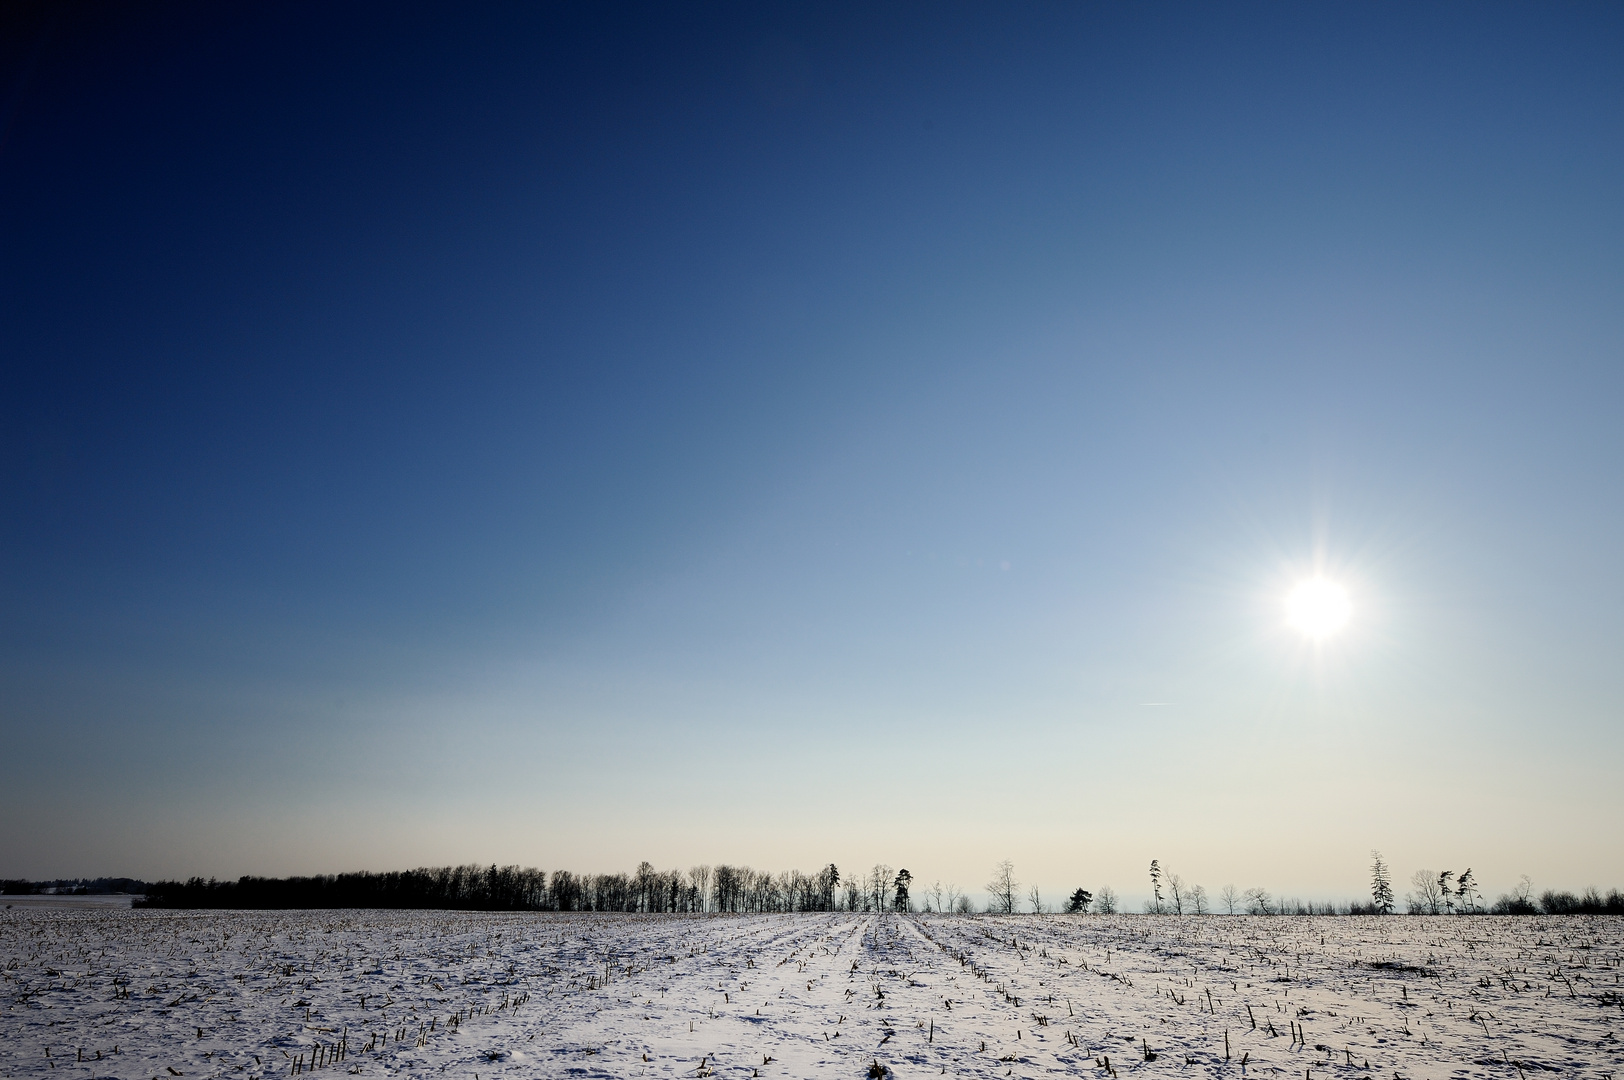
1318, 608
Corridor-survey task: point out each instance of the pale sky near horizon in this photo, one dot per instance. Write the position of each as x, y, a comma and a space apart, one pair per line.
790, 435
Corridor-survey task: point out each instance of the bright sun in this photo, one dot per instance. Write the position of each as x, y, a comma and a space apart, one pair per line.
1318, 608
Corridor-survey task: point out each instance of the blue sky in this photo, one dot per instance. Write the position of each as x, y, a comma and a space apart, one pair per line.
786, 435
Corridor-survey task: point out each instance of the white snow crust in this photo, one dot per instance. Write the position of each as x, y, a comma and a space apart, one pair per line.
148, 994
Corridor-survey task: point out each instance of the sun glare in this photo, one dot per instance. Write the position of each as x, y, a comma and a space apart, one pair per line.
1318, 608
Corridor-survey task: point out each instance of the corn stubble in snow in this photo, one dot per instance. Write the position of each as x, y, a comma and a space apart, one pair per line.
139, 994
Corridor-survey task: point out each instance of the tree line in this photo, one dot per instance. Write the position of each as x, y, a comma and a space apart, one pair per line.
1433, 893
730, 888
1442, 892
72, 886
1445, 892
723, 888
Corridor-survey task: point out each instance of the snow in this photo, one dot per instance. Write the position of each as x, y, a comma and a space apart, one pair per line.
149, 994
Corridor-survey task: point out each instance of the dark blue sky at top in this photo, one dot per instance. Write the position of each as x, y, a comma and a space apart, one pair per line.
346, 350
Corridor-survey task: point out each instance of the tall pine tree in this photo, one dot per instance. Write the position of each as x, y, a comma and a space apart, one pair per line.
1381, 885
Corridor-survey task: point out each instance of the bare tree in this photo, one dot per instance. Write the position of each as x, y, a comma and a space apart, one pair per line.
699, 881
1427, 898
1257, 902
1106, 902
1230, 898
1175, 893
1035, 900
879, 887
961, 906
727, 882
1198, 899
953, 897
1002, 889
933, 897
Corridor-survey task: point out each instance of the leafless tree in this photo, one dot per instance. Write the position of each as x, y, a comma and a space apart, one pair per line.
1002, 889
1257, 902
1198, 899
953, 897
699, 881
1427, 897
933, 897
1230, 898
1106, 901
1175, 892
1035, 900
879, 887
827, 880
643, 883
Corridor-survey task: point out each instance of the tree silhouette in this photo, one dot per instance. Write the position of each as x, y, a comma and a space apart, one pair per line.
900, 899
1156, 884
1381, 885
1466, 889
825, 882
1425, 900
1078, 904
1001, 889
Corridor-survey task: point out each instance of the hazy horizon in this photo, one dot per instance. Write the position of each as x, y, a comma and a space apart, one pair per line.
575, 436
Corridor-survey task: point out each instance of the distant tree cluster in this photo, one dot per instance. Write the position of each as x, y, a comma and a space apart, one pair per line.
1433, 893
1003, 890
1446, 893
1443, 893
1172, 895
73, 886
736, 889
509, 888
1590, 902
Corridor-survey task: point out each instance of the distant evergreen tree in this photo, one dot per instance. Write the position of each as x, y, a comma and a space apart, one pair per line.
1466, 889
828, 878
900, 900
1079, 901
1156, 884
1381, 885
1443, 888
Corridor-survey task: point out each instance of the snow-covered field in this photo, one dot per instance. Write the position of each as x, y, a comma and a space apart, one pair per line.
144, 994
